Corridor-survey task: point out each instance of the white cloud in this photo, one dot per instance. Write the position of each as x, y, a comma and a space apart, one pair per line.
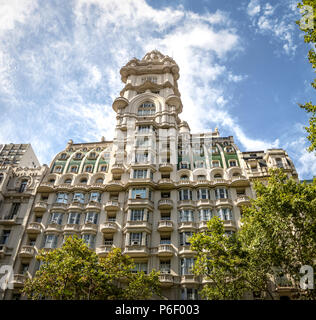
73, 71
253, 7
278, 26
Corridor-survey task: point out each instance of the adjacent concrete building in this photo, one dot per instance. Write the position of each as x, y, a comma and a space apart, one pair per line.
146, 191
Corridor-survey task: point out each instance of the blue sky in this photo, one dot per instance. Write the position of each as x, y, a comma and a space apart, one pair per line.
243, 69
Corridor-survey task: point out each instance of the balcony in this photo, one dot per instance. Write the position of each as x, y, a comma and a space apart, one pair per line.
186, 250
165, 167
205, 203
8, 220
89, 227
203, 183
240, 181
202, 226
109, 227
187, 226
3, 250
140, 202
34, 228
223, 202
221, 182
18, 280
136, 251
229, 224
165, 204
165, 225
165, 183
166, 279
117, 168
165, 250
45, 187
114, 185
93, 205
53, 227
137, 226
27, 252
59, 206
189, 279
186, 203
242, 201
76, 205
185, 183
40, 206
71, 227
103, 251
112, 205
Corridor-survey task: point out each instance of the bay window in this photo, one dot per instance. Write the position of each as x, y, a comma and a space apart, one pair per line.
74, 218
92, 217
221, 193
95, 196
184, 238
186, 266
186, 215
89, 240
51, 241
62, 198
56, 217
225, 214
203, 194
205, 214
185, 194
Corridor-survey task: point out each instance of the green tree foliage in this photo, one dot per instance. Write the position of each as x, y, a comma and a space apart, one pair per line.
279, 229
277, 236
74, 272
222, 261
308, 25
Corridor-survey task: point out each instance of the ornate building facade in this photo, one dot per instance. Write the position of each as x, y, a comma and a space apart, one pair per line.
149, 189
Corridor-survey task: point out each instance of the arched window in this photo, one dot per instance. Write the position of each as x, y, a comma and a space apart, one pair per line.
68, 181
23, 186
184, 177
146, 109
217, 175
99, 180
83, 180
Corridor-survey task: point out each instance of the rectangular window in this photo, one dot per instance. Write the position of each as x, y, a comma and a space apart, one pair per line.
74, 218
186, 266
56, 217
4, 237
137, 215
165, 240
141, 157
185, 194
165, 266
51, 241
186, 215
225, 214
78, 197
14, 210
203, 194
139, 267
62, 198
135, 238
95, 196
221, 193
205, 214
89, 240
92, 217
184, 238
139, 193
140, 174
143, 129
